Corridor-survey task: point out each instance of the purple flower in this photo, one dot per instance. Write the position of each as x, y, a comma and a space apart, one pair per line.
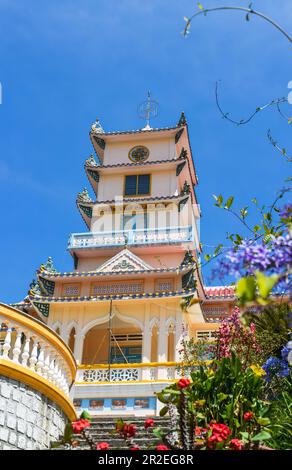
275, 367
249, 256
286, 212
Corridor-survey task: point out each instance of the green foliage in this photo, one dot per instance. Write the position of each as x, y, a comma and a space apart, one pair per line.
281, 417
223, 392
256, 288
272, 329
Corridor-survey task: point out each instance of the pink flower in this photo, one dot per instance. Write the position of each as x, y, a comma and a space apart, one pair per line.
102, 446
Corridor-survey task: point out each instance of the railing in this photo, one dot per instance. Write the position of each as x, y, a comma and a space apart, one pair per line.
131, 237
30, 346
148, 371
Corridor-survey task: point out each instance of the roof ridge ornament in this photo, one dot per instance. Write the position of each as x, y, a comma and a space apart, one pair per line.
182, 120
90, 161
97, 127
83, 196
49, 265
147, 109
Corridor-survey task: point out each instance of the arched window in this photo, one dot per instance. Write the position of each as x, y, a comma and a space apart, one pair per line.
170, 344
71, 342
154, 344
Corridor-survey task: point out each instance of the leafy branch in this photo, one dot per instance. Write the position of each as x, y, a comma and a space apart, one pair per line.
277, 146
248, 13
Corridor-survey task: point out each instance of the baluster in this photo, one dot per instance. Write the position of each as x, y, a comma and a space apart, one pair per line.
25, 352
46, 366
40, 360
17, 346
56, 373
7, 344
51, 371
34, 354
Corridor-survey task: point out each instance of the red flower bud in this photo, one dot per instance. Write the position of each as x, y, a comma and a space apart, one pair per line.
248, 416
102, 446
148, 423
183, 383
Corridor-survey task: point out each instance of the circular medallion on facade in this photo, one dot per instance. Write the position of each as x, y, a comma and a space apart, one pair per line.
139, 154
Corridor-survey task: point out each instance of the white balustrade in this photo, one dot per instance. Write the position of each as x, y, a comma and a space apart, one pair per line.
36, 349
132, 237
150, 372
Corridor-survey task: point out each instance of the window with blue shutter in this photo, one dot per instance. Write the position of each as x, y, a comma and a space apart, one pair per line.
131, 185
137, 185
143, 184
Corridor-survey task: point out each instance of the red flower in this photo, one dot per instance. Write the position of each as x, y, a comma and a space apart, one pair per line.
102, 446
183, 383
128, 430
220, 432
135, 448
235, 444
161, 447
79, 425
148, 423
248, 416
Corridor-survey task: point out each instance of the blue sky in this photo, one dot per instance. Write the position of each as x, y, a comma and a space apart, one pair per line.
62, 63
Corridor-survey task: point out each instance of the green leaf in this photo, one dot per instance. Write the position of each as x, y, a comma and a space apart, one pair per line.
158, 433
246, 288
261, 436
265, 283
163, 411
263, 421
200, 6
68, 433
85, 415
207, 257
229, 202
245, 436
257, 228
220, 200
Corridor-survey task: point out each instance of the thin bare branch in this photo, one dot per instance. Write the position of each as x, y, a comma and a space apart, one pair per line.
225, 115
248, 11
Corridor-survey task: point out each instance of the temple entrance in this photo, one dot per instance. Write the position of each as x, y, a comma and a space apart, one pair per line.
124, 345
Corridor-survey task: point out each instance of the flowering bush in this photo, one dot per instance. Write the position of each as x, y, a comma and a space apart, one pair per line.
233, 336
223, 392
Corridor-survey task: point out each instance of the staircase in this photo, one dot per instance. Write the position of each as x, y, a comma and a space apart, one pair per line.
101, 428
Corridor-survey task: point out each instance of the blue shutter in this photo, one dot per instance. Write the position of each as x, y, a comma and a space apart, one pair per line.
131, 185
143, 184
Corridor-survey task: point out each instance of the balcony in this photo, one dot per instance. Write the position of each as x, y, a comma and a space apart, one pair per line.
158, 236
33, 353
155, 371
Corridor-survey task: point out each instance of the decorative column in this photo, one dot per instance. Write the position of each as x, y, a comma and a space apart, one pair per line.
146, 346
162, 345
78, 347
178, 336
